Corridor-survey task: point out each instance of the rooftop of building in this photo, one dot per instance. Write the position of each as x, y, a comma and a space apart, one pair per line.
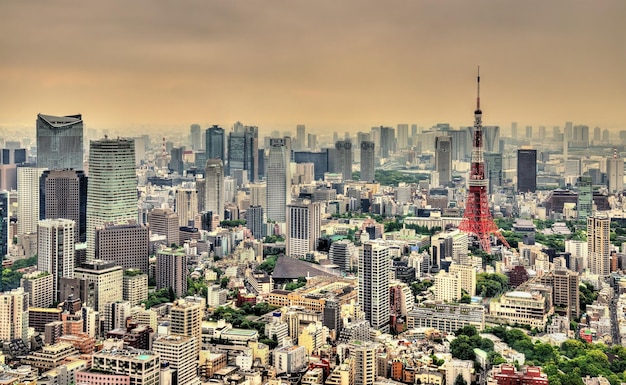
60, 121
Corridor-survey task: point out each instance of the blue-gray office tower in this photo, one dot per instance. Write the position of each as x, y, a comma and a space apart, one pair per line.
215, 143
243, 152
63, 194
60, 142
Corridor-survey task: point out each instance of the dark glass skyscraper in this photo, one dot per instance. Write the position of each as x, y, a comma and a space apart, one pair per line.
63, 194
443, 159
215, 143
367, 161
60, 142
526, 170
243, 152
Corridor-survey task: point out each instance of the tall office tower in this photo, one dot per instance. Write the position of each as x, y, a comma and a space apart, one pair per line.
186, 320
28, 199
186, 206
526, 170
14, 315
301, 137
215, 143
4, 225
584, 206
403, 136
529, 132
60, 142
374, 268
258, 196
254, 221
127, 245
303, 227
201, 192
106, 279
319, 159
343, 150
493, 170
341, 253
565, 292
179, 352
443, 159
63, 194
171, 270
312, 141
387, 141
364, 362
214, 188
278, 181
114, 316
165, 222
176, 163
580, 136
514, 130
112, 185
598, 245
195, 137
615, 173
491, 134
40, 288
367, 161
55, 250
243, 152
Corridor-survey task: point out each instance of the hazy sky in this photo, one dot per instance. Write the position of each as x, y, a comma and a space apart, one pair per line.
344, 64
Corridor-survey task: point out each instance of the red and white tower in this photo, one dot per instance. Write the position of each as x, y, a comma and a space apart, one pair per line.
477, 219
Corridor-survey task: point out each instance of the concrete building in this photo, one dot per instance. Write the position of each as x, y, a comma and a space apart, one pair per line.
278, 181
598, 245
615, 174
112, 186
128, 245
446, 318
165, 222
364, 358
526, 308
135, 286
28, 199
60, 142
467, 277
373, 274
290, 359
141, 366
63, 194
186, 206
447, 287
343, 149
179, 352
107, 279
214, 189
186, 320
40, 288
443, 159
565, 292
303, 227
258, 194
14, 315
368, 157
255, 222
55, 250
526, 170
171, 270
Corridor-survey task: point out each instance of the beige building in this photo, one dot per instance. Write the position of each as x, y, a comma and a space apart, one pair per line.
467, 276
527, 308
107, 278
141, 366
135, 287
165, 222
14, 315
55, 250
39, 286
171, 270
51, 356
179, 352
364, 357
127, 244
186, 320
447, 287
186, 206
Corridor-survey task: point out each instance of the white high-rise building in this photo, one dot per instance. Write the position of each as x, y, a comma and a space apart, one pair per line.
214, 189
258, 196
55, 249
447, 286
364, 363
303, 227
28, 199
374, 268
14, 315
278, 181
598, 245
467, 277
112, 186
186, 206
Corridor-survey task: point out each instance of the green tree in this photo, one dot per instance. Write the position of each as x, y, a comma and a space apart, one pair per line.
224, 282
459, 380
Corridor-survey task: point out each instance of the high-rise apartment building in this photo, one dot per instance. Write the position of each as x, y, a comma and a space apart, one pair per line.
165, 222
526, 170
55, 250
255, 222
127, 245
186, 206
28, 199
63, 194
215, 143
368, 156
60, 142
303, 227
615, 173
443, 159
214, 187
135, 286
565, 292
112, 186
14, 315
467, 277
186, 320
343, 152
598, 245
258, 196
179, 352
374, 268
106, 278
40, 288
171, 270
364, 356
278, 181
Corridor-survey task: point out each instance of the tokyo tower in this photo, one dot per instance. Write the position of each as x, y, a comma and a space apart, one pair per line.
477, 219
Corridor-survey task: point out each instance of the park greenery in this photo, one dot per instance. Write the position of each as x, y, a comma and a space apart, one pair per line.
232, 223
273, 239
241, 318
269, 264
160, 296
419, 287
467, 339
11, 276
291, 286
393, 177
491, 284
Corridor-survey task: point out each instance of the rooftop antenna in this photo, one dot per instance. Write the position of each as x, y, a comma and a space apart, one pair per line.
478, 90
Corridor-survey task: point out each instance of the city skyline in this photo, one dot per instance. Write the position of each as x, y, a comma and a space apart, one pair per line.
347, 66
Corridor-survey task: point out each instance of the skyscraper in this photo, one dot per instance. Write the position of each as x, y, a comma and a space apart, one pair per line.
106, 278
60, 142
55, 250
403, 136
584, 206
364, 362
128, 245
387, 141
243, 152
278, 181
186, 206
195, 137
493, 169
14, 315
171, 270
112, 185
374, 268
443, 159
254, 221
214, 188
367, 161
186, 320
301, 137
343, 150
4, 224
165, 222
28, 199
303, 227
179, 352
63, 194
526, 170
215, 143
598, 245
615, 173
